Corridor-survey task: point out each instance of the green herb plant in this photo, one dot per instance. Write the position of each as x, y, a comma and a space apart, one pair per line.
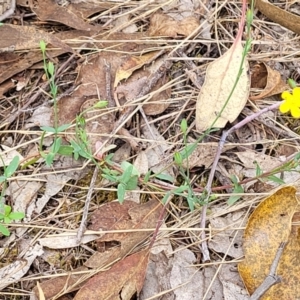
56, 147
6, 214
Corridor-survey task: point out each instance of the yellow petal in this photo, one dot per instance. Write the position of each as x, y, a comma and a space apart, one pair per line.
284, 107
285, 95
295, 112
296, 95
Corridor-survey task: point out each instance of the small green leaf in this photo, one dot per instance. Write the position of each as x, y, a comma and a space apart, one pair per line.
238, 189
126, 164
56, 145
4, 230
66, 150
2, 178
178, 158
101, 104
147, 176
132, 183
275, 179
43, 46
125, 177
48, 129
7, 210
51, 68
183, 125
12, 167
258, 169
291, 83
165, 177
49, 158
63, 127
16, 215
7, 220
121, 192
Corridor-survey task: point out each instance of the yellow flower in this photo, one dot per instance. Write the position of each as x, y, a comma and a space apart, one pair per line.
291, 102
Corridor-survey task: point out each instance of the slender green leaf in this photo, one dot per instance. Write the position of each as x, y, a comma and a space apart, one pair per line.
66, 150
132, 183
49, 158
165, 177
275, 179
7, 210
48, 129
12, 167
16, 215
121, 192
63, 127
4, 230
125, 177
43, 46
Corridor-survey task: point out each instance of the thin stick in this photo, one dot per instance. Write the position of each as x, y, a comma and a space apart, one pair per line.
272, 278
225, 134
82, 226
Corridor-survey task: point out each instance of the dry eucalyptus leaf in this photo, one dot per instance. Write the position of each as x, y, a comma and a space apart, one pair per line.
219, 82
268, 226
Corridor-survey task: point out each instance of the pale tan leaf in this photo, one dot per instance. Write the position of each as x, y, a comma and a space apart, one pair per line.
220, 78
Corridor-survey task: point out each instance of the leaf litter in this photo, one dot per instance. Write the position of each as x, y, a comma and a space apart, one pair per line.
113, 51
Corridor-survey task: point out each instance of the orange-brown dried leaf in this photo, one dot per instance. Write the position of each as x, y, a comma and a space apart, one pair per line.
112, 216
164, 25
268, 226
61, 284
264, 77
121, 281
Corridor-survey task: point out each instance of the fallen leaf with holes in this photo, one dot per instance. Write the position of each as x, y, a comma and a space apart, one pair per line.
269, 80
164, 25
116, 216
14, 37
219, 82
121, 281
268, 226
221, 241
47, 10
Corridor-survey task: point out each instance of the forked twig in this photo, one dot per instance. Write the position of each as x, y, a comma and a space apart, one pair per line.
215, 163
272, 278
